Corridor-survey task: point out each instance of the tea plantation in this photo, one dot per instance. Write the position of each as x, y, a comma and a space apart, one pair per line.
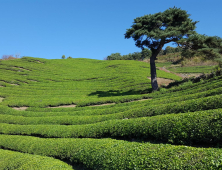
92, 114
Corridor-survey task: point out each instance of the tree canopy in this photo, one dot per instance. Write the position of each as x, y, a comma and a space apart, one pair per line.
145, 53
210, 47
155, 30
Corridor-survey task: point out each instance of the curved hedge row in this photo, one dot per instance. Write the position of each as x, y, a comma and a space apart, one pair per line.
206, 103
200, 87
186, 86
192, 128
115, 154
16, 160
213, 89
200, 91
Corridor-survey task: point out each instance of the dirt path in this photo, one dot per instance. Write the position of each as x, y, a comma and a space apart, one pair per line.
184, 75
66, 106
72, 105
168, 71
1, 98
163, 81
21, 68
102, 104
20, 108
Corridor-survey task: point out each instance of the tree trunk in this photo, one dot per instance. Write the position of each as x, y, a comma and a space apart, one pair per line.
153, 73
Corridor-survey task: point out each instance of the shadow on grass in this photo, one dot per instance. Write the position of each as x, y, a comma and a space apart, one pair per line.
111, 93
156, 141
76, 166
217, 74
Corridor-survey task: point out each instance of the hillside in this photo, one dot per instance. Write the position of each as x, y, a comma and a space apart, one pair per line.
40, 83
46, 115
185, 67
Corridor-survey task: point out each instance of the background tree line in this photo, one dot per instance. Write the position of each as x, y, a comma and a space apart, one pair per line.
145, 53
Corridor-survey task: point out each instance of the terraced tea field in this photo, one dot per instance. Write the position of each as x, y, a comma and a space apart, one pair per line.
47, 120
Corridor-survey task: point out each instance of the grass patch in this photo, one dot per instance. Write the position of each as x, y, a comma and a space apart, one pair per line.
195, 69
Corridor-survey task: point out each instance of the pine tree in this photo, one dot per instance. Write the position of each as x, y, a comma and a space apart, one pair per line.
173, 25
156, 30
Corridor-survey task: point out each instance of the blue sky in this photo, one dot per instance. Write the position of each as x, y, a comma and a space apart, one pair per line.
88, 28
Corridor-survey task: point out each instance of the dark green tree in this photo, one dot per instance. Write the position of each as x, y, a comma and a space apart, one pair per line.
137, 56
155, 30
209, 47
114, 56
146, 53
168, 50
127, 57
178, 49
63, 56
160, 53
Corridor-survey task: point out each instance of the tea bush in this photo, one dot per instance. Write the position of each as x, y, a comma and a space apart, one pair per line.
117, 154
16, 160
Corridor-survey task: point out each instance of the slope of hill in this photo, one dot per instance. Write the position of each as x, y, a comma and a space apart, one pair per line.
185, 67
176, 128
38, 82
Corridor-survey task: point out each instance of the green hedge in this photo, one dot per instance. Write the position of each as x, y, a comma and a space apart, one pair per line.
210, 89
105, 110
190, 89
188, 86
115, 154
206, 103
21, 161
192, 128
